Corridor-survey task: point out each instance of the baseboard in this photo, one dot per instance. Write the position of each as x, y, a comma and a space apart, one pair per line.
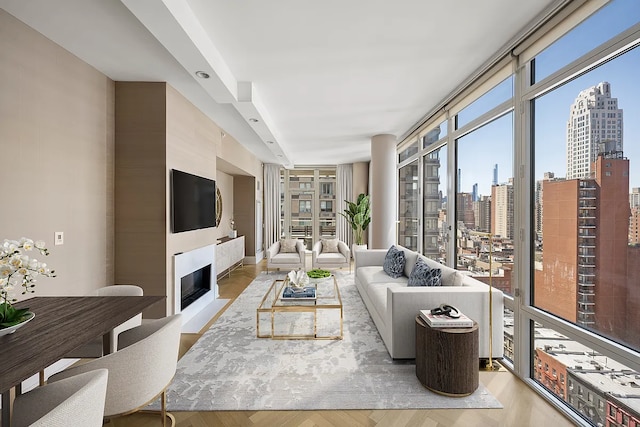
200, 320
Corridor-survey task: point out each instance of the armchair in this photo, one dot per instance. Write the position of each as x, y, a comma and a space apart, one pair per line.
141, 369
330, 253
77, 400
286, 253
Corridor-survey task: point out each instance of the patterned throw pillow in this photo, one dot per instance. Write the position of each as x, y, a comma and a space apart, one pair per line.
288, 245
434, 277
394, 262
419, 274
329, 245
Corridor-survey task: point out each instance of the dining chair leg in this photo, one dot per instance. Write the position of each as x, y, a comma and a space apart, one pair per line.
42, 381
164, 409
164, 412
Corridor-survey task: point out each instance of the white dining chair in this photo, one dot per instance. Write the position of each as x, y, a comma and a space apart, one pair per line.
141, 369
94, 348
75, 401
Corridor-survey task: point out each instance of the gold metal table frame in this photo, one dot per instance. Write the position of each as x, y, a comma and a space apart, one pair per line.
327, 298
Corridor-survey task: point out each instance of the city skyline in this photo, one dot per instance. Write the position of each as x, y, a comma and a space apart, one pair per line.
494, 140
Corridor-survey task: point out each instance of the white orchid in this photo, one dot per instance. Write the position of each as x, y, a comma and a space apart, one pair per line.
18, 270
299, 278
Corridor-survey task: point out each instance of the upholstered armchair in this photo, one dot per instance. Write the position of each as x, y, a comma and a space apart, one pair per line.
286, 254
330, 253
74, 401
141, 369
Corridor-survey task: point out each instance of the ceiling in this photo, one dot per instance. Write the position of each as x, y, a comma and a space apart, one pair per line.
321, 78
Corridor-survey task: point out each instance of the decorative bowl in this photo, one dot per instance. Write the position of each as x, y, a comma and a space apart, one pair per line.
11, 329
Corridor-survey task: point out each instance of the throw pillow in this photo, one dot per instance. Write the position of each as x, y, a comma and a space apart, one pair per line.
419, 274
394, 262
329, 245
434, 277
288, 245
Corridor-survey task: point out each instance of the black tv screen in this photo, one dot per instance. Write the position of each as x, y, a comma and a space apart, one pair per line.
193, 202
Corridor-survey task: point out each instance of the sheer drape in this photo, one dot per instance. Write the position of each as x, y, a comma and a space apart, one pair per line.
344, 184
272, 230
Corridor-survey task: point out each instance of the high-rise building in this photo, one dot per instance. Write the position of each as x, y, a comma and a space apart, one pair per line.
634, 197
474, 192
595, 125
502, 210
634, 227
495, 174
464, 211
539, 211
482, 214
585, 255
432, 204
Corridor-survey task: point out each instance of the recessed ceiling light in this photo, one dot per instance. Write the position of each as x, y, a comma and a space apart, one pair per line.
279, 155
253, 120
202, 74
269, 142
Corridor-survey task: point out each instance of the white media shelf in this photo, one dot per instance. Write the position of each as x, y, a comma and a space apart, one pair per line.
229, 255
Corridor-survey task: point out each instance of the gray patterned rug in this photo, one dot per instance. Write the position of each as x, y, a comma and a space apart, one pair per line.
228, 368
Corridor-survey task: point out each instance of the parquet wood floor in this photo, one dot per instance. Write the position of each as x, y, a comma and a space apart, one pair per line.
522, 406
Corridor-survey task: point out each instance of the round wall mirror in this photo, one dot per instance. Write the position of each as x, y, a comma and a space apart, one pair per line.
218, 206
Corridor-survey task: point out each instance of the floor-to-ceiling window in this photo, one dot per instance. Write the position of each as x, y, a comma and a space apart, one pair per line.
408, 225
309, 204
538, 167
435, 233
585, 269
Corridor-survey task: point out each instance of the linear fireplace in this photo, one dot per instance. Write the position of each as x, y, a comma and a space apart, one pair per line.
195, 287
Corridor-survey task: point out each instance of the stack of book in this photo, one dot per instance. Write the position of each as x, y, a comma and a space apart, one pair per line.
306, 293
444, 321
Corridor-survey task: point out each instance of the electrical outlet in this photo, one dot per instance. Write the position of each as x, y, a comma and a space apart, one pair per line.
58, 238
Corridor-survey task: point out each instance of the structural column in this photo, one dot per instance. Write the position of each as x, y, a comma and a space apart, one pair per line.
384, 190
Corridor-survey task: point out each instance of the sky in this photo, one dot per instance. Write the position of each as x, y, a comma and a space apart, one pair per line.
492, 144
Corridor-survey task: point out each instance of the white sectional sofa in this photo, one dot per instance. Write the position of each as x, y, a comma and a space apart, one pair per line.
393, 305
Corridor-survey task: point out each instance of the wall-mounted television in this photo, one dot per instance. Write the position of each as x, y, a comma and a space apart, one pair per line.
193, 202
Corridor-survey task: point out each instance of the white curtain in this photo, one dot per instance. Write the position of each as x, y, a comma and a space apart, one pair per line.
272, 230
344, 190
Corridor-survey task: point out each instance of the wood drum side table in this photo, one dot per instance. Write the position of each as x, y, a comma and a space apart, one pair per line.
447, 359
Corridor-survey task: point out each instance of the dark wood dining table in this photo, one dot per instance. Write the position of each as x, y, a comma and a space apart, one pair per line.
61, 324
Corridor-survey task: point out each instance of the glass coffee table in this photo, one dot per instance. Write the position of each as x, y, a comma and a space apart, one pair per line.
274, 309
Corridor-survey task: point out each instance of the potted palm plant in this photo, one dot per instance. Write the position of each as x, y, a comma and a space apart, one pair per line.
358, 215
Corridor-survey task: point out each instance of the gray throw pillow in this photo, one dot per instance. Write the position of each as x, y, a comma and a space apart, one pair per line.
329, 245
419, 274
288, 245
394, 262
434, 277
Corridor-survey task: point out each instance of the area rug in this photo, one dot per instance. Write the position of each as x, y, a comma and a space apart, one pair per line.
229, 368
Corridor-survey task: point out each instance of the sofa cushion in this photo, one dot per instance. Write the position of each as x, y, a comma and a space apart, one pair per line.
374, 275
286, 258
394, 262
378, 296
419, 274
288, 245
458, 278
329, 245
330, 258
410, 260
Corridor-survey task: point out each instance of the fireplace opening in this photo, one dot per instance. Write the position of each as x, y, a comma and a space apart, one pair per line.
194, 285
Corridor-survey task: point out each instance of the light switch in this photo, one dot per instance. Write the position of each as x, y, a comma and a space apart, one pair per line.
59, 238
